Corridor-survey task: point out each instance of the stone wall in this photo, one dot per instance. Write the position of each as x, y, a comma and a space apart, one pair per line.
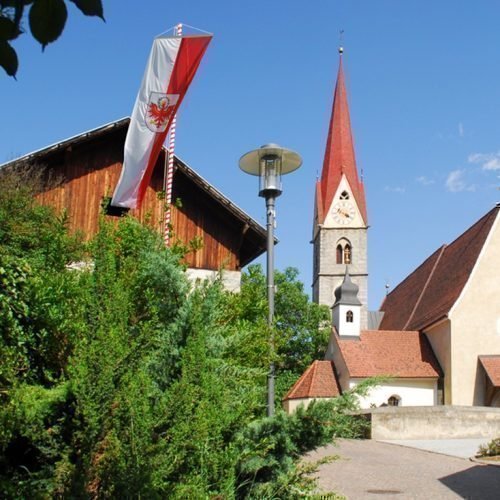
329, 275
439, 422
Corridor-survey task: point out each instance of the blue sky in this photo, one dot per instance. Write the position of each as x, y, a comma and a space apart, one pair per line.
423, 82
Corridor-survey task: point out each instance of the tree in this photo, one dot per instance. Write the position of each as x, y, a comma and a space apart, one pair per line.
123, 380
46, 19
302, 327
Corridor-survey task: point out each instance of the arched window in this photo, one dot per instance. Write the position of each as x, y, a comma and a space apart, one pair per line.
344, 195
347, 254
394, 400
349, 317
340, 254
343, 252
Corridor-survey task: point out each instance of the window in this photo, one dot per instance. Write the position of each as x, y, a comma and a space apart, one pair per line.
344, 195
349, 317
347, 254
394, 401
340, 254
343, 252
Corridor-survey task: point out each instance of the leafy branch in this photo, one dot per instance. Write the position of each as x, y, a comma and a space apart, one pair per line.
46, 20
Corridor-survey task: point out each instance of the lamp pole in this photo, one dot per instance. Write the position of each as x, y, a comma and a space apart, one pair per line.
271, 214
270, 162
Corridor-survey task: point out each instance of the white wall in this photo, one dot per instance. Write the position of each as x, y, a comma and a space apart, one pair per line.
474, 324
339, 320
290, 405
413, 392
230, 279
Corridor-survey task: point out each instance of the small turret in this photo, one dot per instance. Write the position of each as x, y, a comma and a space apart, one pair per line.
346, 310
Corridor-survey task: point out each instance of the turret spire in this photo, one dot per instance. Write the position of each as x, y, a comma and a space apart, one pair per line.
339, 154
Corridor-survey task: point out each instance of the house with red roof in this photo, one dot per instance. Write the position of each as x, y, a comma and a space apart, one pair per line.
436, 337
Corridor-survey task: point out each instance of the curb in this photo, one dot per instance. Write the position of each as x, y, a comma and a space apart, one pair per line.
484, 462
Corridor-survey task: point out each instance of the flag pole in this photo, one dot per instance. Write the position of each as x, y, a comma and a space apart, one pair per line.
170, 169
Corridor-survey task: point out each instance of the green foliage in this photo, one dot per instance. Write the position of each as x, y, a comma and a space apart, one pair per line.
491, 449
119, 380
270, 448
46, 18
301, 326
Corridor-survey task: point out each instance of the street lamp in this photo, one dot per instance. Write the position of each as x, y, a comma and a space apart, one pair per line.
270, 162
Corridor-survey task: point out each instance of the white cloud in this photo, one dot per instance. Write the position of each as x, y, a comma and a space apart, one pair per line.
460, 129
395, 189
488, 161
425, 181
455, 182
493, 164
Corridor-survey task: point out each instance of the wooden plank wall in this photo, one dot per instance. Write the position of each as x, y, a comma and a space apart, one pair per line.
199, 216
79, 179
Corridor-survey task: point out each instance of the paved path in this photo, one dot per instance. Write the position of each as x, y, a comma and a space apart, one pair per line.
462, 448
370, 470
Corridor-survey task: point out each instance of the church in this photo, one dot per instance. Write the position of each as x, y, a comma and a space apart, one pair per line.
436, 338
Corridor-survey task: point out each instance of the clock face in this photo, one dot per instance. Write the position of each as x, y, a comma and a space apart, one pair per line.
343, 212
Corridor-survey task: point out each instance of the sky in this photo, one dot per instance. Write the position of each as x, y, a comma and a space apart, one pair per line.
423, 83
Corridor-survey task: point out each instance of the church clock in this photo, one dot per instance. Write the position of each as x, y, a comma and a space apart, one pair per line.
343, 212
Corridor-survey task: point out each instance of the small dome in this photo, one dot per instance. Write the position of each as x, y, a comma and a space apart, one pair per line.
347, 292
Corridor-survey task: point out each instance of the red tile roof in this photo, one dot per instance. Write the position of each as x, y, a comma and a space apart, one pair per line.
318, 381
403, 354
429, 293
491, 365
339, 155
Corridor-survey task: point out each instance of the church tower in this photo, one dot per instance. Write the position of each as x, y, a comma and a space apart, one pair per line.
340, 217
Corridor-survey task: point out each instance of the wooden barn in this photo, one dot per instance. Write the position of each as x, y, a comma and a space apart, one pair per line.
81, 174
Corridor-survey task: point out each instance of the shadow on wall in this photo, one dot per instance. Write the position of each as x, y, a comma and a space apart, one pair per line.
480, 481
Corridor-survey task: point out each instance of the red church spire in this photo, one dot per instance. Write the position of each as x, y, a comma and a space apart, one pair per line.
339, 155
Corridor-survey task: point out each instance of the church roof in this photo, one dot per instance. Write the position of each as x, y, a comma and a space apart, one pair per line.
339, 155
429, 292
402, 354
318, 381
491, 365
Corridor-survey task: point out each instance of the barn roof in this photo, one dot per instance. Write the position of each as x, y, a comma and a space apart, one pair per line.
428, 293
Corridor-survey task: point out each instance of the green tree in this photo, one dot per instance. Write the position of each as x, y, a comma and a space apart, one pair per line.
302, 328
46, 20
121, 380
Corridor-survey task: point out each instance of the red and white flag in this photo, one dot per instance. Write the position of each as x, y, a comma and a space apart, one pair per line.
172, 64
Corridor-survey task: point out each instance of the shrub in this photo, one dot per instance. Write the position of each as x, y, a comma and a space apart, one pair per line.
491, 449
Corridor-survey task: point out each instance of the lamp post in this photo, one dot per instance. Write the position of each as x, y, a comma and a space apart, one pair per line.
270, 162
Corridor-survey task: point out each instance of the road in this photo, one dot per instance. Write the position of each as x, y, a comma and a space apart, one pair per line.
369, 469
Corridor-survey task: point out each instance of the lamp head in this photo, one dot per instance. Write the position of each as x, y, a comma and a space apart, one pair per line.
270, 162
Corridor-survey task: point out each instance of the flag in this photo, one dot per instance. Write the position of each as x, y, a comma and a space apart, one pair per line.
171, 66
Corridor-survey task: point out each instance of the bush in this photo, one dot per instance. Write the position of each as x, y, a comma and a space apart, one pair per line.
119, 380
492, 449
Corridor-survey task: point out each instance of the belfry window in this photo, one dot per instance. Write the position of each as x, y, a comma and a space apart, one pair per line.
349, 317
343, 252
344, 195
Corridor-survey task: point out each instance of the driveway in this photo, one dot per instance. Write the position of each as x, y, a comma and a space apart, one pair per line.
369, 469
